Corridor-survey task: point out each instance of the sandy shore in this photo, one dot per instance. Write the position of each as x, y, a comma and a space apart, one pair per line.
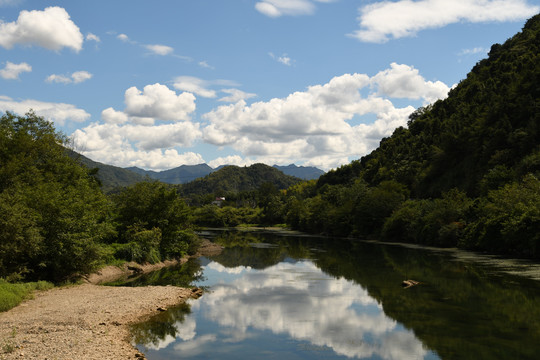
85, 321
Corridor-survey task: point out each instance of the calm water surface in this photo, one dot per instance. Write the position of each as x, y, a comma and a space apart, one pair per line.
272, 296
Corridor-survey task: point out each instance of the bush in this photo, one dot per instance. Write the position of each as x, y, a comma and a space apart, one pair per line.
227, 216
154, 221
508, 220
439, 222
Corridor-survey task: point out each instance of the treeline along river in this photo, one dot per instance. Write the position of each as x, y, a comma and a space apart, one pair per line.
284, 296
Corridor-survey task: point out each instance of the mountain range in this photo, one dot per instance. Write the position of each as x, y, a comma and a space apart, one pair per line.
112, 176
187, 173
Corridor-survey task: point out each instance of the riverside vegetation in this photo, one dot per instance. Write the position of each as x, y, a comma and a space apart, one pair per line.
56, 223
465, 172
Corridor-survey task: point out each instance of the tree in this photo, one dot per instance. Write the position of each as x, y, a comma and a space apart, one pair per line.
508, 220
54, 216
152, 205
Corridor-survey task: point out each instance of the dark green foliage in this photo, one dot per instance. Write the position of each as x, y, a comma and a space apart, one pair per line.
234, 179
358, 209
56, 223
437, 222
141, 245
476, 138
110, 177
508, 220
53, 215
152, 216
470, 164
227, 216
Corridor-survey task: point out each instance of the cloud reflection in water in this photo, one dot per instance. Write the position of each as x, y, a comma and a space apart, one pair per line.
299, 301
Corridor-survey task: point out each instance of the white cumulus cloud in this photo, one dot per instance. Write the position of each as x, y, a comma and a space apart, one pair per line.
59, 113
230, 160
111, 116
404, 81
12, 71
384, 20
159, 102
126, 144
343, 118
132, 138
51, 28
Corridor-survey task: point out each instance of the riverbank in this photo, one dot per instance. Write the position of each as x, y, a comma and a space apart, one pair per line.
85, 321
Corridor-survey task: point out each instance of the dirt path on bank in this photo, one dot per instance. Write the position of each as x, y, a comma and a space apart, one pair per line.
85, 321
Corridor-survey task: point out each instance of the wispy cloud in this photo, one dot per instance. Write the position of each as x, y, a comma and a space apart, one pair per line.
75, 78
160, 49
277, 8
194, 85
156, 49
205, 65
385, 20
283, 59
235, 95
204, 88
476, 50
12, 71
9, 2
92, 37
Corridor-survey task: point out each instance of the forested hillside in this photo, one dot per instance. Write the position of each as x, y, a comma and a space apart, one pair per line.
464, 173
484, 134
110, 177
55, 221
252, 196
234, 179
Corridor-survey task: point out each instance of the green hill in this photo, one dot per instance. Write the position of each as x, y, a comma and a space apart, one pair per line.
111, 177
486, 133
463, 173
235, 179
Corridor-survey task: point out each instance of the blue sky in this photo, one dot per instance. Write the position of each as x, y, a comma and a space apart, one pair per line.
159, 84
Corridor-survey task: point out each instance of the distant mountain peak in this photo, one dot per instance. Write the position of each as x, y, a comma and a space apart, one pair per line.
302, 172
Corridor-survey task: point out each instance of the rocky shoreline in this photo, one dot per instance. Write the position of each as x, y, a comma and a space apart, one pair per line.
87, 321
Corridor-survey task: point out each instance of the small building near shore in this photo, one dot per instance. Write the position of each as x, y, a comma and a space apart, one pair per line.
219, 201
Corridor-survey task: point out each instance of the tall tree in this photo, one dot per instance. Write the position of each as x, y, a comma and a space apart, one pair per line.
54, 216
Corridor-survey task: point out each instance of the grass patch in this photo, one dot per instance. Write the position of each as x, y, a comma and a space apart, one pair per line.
12, 294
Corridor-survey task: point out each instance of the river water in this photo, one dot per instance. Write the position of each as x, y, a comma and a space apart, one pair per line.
281, 296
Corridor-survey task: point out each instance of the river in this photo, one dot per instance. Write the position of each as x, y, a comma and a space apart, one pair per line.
277, 295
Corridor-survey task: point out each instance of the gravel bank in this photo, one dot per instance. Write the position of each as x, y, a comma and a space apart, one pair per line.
85, 321
81, 322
